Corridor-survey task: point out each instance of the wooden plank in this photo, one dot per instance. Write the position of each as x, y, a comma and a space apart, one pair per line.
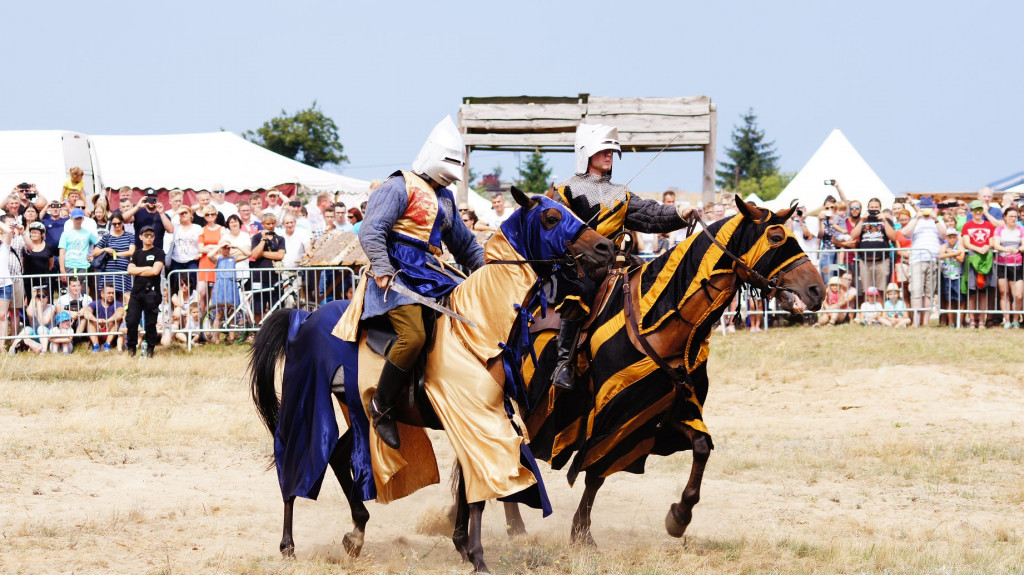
567, 125
628, 140
524, 140
522, 111
661, 139
652, 123
707, 193
691, 106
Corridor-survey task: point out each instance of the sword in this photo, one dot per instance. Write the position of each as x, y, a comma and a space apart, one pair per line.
401, 289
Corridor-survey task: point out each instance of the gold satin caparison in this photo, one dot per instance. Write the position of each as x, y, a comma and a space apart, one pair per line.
467, 399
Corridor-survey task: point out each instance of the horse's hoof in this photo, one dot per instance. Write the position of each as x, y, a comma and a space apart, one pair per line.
353, 543
515, 530
288, 551
674, 528
583, 539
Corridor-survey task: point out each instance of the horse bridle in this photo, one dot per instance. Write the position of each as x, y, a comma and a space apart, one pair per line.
769, 287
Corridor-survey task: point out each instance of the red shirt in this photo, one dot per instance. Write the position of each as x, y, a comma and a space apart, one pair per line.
979, 234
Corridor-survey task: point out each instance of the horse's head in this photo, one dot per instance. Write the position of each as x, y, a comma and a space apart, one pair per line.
547, 232
776, 255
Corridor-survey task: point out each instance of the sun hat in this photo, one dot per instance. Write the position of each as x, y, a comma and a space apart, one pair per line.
891, 287
62, 317
975, 205
77, 213
834, 280
952, 232
926, 202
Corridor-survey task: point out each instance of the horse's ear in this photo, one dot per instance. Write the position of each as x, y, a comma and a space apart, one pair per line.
520, 197
749, 211
788, 212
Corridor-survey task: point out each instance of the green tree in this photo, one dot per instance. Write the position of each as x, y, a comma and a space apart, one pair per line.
767, 187
751, 156
308, 136
534, 175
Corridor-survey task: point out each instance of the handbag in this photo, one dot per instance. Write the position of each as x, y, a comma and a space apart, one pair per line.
99, 262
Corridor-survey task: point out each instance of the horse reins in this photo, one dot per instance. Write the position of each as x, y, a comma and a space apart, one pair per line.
769, 287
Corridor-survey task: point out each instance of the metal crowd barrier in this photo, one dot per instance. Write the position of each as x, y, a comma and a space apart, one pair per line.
238, 299
234, 309
72, 292
945, 297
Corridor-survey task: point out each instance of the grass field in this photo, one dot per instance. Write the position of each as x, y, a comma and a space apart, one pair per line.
847, 450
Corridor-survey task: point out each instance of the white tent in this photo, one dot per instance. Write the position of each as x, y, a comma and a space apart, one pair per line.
43, 157
198, 161
836, 159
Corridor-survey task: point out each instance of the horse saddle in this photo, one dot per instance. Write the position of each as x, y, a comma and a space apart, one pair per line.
381, 335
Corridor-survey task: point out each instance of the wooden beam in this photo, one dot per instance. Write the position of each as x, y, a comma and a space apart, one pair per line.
565, 125
707, 193
654, 123
693, 106
656, 140
523, 111
639, 140
462, 189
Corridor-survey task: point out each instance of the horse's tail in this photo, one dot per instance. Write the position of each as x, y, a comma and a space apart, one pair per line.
267, 350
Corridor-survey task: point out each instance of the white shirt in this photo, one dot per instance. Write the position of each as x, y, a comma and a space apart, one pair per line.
226, 209
494, 220
293, 246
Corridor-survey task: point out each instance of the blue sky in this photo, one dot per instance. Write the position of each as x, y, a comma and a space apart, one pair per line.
930, 94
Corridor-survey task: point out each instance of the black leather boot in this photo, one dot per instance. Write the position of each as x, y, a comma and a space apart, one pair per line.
564, 375
392, 380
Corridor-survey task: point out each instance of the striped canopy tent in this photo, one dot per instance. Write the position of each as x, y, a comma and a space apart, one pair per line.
1014, 183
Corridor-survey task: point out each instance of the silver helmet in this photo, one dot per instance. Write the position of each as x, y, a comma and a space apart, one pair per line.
443, 155
594, 138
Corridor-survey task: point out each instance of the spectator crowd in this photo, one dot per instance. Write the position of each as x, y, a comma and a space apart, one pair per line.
89, 270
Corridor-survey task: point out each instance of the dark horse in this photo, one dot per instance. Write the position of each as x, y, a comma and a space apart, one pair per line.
645, 357
543, 238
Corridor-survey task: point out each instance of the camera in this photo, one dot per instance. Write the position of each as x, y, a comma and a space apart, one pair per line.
151, 201
30, 195
874, 213
830, 182
800, 212
948, 205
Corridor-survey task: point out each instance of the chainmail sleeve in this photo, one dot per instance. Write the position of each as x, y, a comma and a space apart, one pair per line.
652, 217
383, 209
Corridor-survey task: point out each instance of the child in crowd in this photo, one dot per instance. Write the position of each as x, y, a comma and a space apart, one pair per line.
871, 310
191, 322
951, 263
61, 336
896, 314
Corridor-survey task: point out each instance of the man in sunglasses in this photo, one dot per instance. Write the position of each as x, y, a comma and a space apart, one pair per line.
219, 201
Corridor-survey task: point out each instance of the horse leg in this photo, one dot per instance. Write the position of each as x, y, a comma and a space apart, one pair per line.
475, 549
340, 464
680, 514
581, 521
461, 535
514, 524
287, 543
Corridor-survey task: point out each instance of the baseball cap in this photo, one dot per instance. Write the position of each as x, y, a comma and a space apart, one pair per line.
37, 226
976, 205
62, 317
147, 229
151, 193
77, 213
872, 291
833, 280
952, 232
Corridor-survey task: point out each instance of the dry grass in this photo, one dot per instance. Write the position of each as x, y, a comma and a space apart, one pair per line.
845, 450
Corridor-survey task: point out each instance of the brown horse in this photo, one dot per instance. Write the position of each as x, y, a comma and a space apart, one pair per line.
542, 234
645, 353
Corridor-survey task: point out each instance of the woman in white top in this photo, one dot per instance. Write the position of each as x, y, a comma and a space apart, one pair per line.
6, 287
241, 245
1009, 262
184, 252
926, 234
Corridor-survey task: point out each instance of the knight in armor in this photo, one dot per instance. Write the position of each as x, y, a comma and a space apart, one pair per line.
407, 218
609, 208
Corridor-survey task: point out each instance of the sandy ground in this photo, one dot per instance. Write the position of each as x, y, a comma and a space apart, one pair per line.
871, 467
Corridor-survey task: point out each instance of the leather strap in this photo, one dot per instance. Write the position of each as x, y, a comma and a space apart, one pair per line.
678, 376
